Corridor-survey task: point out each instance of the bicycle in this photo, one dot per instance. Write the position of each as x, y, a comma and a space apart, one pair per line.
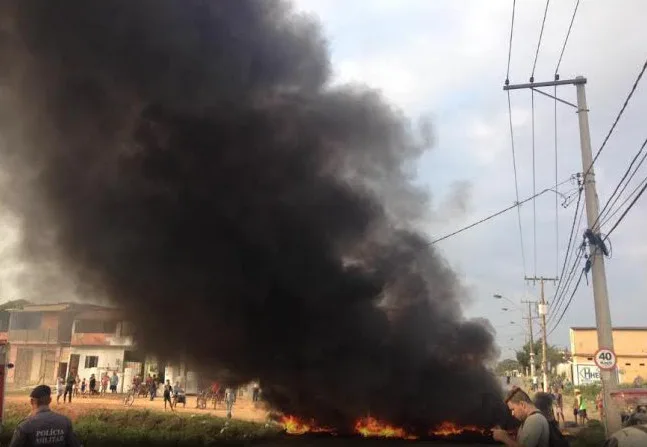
129, 398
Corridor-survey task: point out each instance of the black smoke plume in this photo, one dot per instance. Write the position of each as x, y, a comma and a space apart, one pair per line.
190, 160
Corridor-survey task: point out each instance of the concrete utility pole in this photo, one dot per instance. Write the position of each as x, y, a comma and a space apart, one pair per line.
543, 310
596, 257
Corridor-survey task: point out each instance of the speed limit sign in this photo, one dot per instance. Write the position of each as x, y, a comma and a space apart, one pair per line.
605, 359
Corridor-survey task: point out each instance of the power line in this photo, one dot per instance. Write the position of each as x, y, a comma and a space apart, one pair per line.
631, 205
620, 219
566, 285
534, 187
614, 198
556, 198
492, 216
541, 33
568, 33
577, 285
570, 240
507, 75
608, 218
516, 185
622, 110
566, 278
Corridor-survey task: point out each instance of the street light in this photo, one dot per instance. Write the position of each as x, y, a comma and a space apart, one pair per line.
501, 297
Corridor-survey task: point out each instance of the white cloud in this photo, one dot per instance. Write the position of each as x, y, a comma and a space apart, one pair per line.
450, 58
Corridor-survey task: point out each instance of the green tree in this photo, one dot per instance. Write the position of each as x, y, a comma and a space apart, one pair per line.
555, 355
506, 365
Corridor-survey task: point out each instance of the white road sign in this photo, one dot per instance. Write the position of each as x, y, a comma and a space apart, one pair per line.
605, 359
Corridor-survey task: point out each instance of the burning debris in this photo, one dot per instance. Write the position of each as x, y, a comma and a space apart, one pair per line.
190, 160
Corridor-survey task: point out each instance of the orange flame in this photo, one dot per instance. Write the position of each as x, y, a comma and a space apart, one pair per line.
295, 426
371, 427
451, 429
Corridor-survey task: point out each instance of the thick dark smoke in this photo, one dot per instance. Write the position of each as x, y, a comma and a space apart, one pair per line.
189, 159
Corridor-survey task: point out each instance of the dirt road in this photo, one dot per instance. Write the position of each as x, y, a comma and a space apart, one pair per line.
243, 409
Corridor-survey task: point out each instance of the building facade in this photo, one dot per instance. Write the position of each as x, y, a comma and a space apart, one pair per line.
630, 345
55, 340
101, 343
39, 339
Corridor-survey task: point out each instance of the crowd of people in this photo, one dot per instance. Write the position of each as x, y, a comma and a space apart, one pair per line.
75, 386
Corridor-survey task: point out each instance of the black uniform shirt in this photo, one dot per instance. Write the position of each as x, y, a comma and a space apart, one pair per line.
45, 428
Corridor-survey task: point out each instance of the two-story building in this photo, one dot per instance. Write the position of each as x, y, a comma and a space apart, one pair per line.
39, 338
102, 343
47, 341
630, 345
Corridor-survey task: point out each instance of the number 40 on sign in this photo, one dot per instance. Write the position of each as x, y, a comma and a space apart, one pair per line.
605, 359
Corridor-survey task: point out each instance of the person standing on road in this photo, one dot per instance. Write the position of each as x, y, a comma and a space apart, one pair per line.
43, 426
581, 407
256, 392
152, 389
93, 384
105, 381
69, 388
168, 389
114, 381
230, 398
558, 401
534, 430
60, 388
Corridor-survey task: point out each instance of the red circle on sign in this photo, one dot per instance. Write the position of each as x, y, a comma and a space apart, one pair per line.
605, 359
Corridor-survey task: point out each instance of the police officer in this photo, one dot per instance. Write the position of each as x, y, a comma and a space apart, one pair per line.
43, 427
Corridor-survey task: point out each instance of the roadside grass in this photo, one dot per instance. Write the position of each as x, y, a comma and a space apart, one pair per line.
99, 427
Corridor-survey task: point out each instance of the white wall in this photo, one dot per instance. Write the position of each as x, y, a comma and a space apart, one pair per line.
110, 359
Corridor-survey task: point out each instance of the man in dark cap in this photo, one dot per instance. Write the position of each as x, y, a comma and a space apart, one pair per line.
43, 427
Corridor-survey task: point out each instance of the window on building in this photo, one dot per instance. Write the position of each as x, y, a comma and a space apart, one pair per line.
642, 364
95, 327
91, 361
25, 320
627, 364
589, 358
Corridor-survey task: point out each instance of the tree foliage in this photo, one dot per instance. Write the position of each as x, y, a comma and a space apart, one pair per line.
555, 355
506, 365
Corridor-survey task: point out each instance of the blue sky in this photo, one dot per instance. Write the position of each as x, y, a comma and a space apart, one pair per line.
446, 59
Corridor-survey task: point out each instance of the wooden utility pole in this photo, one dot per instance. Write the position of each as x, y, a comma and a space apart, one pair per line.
543, 310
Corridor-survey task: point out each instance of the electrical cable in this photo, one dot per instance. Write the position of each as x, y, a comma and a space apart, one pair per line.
624, 214
577, 285
615, 122
541, 33
607, 207
608, 218
568, 281
566, 278
516, 186
568, 33
567, 257
492, 216
556, 198
566, 285
534, 187
507, 74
